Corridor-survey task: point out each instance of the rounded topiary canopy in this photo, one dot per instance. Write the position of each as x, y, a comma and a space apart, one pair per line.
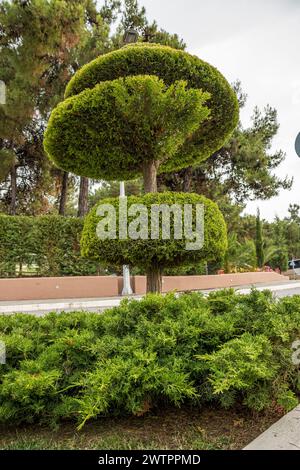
170, 65
161, 252
116, 127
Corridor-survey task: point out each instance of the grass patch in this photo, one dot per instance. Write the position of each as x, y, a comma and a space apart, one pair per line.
168, 429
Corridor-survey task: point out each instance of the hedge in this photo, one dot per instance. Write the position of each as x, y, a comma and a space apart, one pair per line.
224, 350
42, 246
170, 65
149, 252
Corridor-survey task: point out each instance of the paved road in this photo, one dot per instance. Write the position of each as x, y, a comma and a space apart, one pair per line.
41, 307
287, 293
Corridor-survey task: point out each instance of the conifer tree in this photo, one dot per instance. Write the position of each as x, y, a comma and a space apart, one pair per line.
143, 110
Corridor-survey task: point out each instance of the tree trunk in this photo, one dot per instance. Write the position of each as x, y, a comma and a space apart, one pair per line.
13, 200
154, 279
150, 176
201, 183
154, 273
187, 180
63, 194
83, 197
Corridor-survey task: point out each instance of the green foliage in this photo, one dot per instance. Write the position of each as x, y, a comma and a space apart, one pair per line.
244, 169
45, 246
134, 17
112, 189
280, 241
43, 42
7, 160
187, 270
227, 348
285, 236
279, 259
112, 129
241, 363
170, 65
151, 252
240, 256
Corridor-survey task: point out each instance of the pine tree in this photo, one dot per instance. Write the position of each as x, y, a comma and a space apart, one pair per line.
241, 170
42, 44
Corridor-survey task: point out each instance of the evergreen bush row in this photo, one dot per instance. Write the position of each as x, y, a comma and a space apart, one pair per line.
225, 350
42, 246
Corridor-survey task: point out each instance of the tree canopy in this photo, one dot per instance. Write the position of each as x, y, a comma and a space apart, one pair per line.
170, 65
112, 130
143, 250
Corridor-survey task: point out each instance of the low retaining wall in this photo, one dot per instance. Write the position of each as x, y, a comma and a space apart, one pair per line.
183, 283
111, 286
42, 288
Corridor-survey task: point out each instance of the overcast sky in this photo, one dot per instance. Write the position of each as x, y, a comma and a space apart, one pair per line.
258, 42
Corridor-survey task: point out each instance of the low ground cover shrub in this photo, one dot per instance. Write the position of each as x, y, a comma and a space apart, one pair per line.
226, 349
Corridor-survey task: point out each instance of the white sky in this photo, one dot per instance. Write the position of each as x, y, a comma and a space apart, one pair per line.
258, 42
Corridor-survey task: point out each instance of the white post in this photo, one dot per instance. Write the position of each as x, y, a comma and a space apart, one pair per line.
127, 290
2, 92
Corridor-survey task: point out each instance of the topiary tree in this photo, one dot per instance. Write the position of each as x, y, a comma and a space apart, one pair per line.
142, 248
124, 127
144, 109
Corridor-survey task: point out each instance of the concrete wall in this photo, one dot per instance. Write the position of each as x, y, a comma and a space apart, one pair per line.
183, 283
111, 286
58, 288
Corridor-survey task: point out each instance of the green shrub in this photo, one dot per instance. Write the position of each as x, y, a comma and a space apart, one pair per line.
241, 364
160, 252
225, 349
42, 246
280, 259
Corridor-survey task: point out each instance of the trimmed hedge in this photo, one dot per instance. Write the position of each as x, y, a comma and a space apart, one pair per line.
170, 65
111, 130
226, 349
42, 246
160, 252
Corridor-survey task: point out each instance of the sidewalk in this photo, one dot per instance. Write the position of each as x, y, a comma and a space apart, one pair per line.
41, 307
283, 435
